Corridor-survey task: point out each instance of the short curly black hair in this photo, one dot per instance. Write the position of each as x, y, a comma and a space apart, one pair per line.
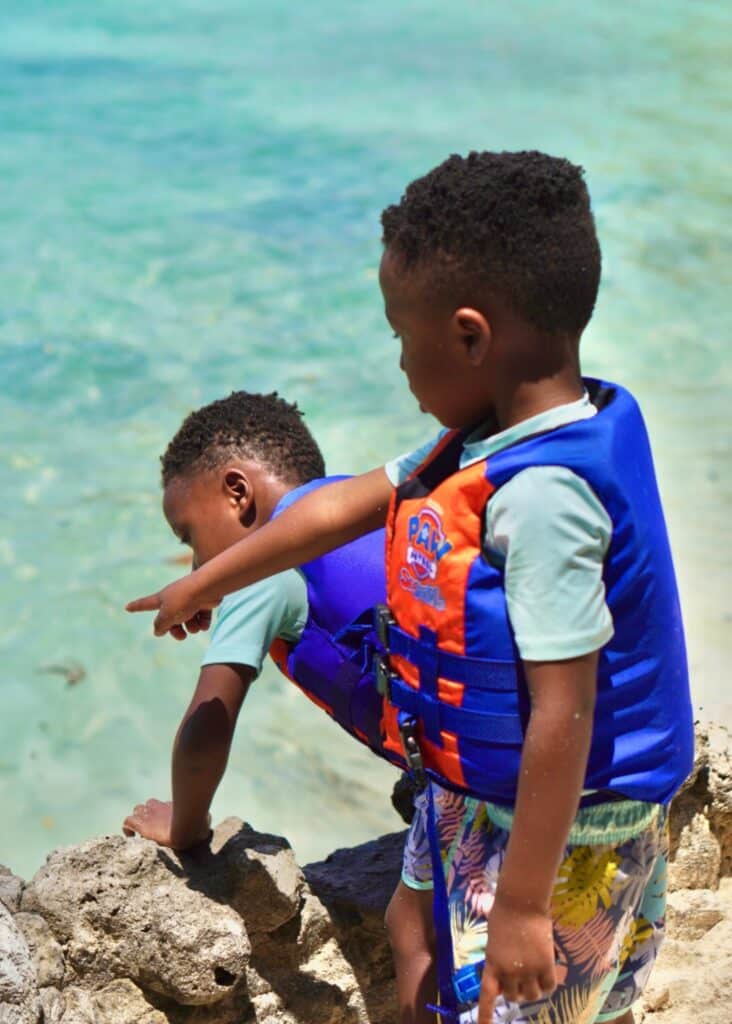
513, 226
264, 428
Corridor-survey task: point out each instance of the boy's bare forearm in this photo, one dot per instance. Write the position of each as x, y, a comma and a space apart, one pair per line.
197, 770
319, 522
201, 748
553, 767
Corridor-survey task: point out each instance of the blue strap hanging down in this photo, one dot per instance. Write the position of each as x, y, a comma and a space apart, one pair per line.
441, 913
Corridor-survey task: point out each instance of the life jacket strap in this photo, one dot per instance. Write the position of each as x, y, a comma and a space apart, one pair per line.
478, 673
467, 723
458, 990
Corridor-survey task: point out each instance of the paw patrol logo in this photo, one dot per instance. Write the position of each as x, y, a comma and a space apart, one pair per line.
426, 546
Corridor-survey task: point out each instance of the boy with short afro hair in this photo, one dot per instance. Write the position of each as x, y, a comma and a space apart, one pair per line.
536, 672
229, 468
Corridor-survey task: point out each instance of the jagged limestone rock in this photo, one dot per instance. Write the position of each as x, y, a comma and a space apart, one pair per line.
256, 874
698, 857
52, 1004
78, 1007
10, 889
707, 791
124, 908
692, 979
46, 953
691, 913
134, 934
19, 1003
355, 885
122, 1002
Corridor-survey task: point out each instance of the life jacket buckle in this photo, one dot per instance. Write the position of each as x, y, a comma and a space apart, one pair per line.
412, 753
384, 676
383, 620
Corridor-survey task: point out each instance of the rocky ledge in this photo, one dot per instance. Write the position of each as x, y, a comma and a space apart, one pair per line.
121, 931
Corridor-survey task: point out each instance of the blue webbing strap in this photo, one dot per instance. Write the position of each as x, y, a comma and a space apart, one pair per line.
480, 673
441, 913
468, 723
428, 685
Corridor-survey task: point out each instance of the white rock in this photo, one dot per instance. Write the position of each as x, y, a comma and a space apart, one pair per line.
19, 1002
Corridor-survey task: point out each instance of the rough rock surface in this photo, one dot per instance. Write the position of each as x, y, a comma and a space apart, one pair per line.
10, 889
119, 931
46, 954
18, 986
125, 909
707, 792
355, 885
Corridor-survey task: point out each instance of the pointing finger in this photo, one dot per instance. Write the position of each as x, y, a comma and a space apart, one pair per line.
145, 604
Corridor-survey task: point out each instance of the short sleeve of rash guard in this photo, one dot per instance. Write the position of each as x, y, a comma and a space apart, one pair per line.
551, 533
248, 620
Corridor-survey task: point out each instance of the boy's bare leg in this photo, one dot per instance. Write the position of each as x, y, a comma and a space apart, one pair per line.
411, 934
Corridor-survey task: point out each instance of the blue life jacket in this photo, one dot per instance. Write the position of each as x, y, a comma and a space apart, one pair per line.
332, 661
456, 669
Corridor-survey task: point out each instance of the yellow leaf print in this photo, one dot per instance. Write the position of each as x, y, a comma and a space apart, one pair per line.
640, 931
469, 935
584, 881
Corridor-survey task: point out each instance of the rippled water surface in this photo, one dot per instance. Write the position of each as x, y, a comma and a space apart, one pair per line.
190, 201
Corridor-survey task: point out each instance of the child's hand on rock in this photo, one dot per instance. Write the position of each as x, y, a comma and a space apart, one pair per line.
154, 820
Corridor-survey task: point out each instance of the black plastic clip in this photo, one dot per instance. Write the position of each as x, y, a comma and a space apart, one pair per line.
412, 753
383, 619
383, 676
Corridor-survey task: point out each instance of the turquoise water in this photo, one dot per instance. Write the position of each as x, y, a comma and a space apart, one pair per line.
189, 203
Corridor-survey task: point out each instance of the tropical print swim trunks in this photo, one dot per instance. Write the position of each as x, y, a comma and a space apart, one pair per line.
608, 904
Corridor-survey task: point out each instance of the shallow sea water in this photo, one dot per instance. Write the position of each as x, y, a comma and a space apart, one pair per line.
190, 204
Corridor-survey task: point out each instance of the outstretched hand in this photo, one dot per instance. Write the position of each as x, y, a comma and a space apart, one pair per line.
180, 609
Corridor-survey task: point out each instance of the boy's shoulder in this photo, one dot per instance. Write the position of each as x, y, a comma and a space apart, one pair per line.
249, 620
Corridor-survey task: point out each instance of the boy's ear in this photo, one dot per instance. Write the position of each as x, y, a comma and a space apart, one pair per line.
473, 332
237, 487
